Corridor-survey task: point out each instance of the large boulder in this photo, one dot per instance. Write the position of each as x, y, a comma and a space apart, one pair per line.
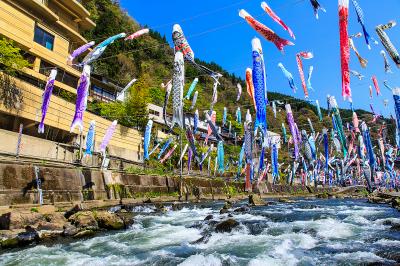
256, 200
107, 220
18, 219
127, 218
226, 226
84, 220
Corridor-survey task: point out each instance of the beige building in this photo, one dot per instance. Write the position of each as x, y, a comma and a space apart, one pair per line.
47, 31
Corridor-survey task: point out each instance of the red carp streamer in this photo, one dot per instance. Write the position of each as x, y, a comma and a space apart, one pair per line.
209, 130
277, 19
344, 48
266, 32
376, 85
250, 85
305, 55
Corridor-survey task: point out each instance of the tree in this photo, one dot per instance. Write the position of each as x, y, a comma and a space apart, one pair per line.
11, 61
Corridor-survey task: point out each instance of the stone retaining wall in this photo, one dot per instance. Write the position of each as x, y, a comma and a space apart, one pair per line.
70, 184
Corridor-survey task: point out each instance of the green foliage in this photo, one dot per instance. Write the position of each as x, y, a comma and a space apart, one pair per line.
11, 59
34, 209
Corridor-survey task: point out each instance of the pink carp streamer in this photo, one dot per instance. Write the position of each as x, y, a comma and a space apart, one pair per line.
107, 137
370, 91
356, 122
209, 130
266, 32
305, 55
376, 85
250, 85
277, 19
344, 48
169, 153
137, 34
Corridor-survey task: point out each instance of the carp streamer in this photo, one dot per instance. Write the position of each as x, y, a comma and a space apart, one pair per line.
344, 48
277, 19
48, 90
385, 40
305, 55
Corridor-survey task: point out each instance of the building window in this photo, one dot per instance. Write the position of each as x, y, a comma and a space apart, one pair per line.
102, 95
44, 38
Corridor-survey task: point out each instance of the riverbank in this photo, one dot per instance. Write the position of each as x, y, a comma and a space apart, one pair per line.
24, 225
312, 231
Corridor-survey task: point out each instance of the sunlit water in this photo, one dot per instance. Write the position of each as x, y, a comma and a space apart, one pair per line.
308, 232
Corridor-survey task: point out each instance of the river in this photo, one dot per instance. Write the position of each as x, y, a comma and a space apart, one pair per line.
307, 232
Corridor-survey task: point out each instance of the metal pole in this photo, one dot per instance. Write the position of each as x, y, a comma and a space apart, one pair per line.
181, 167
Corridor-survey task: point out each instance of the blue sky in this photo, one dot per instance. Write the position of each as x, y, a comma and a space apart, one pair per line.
216, 33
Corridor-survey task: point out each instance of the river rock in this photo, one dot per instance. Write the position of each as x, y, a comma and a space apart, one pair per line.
107, 220
9, 238
242, 209
379, 200
389, 255
127, 218
84, 220
27, 237
286, 200
396, 203
223, 211
73, 210
84, 233
256, 200
226, 226
209, 217
69, 230
18, 219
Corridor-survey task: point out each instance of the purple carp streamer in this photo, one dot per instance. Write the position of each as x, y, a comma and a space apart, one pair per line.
292, 128
289, 77
48, 90
317, 6
178, 81
266, 32
259, 83
239, 87
385, 40
107, 137
168, 154
78, 52
388, 68
360, 18
147, 137
82, 93
277, 19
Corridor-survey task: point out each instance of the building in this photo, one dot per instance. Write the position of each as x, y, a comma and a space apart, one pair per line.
47, 31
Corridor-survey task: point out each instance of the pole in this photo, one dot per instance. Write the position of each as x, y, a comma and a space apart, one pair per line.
181, 167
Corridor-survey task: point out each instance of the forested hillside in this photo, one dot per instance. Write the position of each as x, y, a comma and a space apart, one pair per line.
150, 59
